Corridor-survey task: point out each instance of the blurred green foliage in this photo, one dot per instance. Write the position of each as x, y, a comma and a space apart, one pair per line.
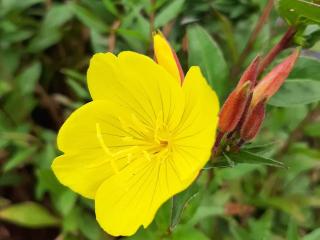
45, 47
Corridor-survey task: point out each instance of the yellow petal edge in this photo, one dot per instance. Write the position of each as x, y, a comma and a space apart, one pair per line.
165, 56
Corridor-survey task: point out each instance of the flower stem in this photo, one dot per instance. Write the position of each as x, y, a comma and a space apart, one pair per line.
283, 44
217, 143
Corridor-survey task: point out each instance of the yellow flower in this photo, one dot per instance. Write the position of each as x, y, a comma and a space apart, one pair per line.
143, 138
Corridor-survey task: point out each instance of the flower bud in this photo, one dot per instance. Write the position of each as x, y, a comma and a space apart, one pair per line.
271, 83
167, 57
233, 108
251, 73
253, 121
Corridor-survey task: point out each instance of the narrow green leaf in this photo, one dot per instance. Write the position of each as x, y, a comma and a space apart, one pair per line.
19, 158
219, 163
292, 231
168, 13
297, 92
88, 18
180, 202
205, 52
256, 148
11, 5
74, 74
57, 15
77, 88
251, 158
28, 214
28, 78
111, 7
44, 40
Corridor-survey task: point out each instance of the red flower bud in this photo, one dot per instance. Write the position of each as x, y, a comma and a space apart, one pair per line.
271, 83
253, 121
251, 73
233, 108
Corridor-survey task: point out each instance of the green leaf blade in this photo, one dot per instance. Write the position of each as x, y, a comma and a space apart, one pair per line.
205, 52
297, 92
29, 214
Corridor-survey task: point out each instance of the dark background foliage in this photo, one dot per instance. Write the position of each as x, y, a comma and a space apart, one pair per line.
45, 47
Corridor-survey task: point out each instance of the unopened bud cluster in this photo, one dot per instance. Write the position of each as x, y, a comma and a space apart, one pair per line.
243, 112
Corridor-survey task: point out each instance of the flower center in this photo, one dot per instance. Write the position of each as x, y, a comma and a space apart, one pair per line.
141, 141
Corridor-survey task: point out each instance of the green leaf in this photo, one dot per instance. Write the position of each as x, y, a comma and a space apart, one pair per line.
180, 202
219, 163
205, 52
78, 88
168, 13
162, 218
261, 229
110, 6
297, 92
65, 201
292, 232
28, 78
28, 214
57, 15
252, 158
11, 5
88, 18
90, 228
74, 74
306, 68
210, 206
295, 11
44, 39
188, 233
19, 158
314, 235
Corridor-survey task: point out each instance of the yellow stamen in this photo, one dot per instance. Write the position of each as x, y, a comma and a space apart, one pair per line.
105, 148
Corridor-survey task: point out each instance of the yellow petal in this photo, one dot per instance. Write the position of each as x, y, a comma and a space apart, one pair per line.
196, 132
86, 164
136, 82
82, 172
166, 57
131, 198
